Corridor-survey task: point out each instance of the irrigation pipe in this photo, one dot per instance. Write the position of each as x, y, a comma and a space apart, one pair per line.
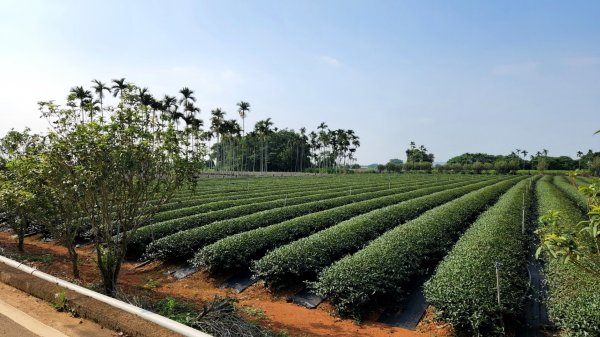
142, 313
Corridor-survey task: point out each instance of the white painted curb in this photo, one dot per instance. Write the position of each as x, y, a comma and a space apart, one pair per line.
144, 314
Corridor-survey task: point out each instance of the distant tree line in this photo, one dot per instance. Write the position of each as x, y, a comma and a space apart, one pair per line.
420, 160
519, 160
268, 148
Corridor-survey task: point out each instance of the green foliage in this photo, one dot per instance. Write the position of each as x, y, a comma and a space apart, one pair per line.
147, 234
505, 166
470, 158
114, 171
151, 284
239, 189
245, 199
418, 154
393, 167
423, 166
60, 301
574, 293
44, 258
185, 243
570, 189
306, 257
595, 166
240, 249
20, 188
463, 288
382, 268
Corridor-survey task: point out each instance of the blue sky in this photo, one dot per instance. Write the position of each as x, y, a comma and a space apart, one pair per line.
456, 76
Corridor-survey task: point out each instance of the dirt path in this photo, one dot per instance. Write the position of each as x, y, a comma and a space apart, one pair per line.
26, 316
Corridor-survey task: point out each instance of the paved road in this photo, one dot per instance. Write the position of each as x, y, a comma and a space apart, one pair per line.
9, 328
22, 315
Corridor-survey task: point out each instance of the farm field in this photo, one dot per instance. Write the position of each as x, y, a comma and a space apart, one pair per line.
362, 243
303, 168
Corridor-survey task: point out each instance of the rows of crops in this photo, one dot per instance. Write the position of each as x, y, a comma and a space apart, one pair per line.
573, 296
362, 240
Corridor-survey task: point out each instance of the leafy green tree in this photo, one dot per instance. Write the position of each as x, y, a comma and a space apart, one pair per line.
478, 167
579, 155
420, 154
542, 164
18, 181
391, 167
118, 173
469, 158
595, 166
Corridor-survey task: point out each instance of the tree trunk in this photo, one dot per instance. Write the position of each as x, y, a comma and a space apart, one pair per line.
21, 240
266, 156
74, 261
109, 264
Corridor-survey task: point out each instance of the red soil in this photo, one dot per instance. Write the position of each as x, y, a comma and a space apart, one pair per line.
256, 303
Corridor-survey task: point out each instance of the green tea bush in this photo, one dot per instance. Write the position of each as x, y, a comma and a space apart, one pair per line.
463, 288
306, 257
239, 249
573, 296
388, 262
184, 244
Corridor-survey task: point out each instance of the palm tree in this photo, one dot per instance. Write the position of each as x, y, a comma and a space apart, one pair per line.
100, 88
303, 140
314, 145
118, 87
243, 109
324, 138
355, 144
216, 121
579, 155
216, 127
176, 116
187, 96
92, 107
83, 96
169, 103
263, 129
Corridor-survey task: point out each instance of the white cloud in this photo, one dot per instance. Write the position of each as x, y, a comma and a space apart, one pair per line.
583, 61
515, 69
332, 61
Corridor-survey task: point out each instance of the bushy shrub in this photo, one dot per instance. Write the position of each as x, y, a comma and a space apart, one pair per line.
382, 268
185, 243
463, 287
306, 257
573, 296
240, 249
